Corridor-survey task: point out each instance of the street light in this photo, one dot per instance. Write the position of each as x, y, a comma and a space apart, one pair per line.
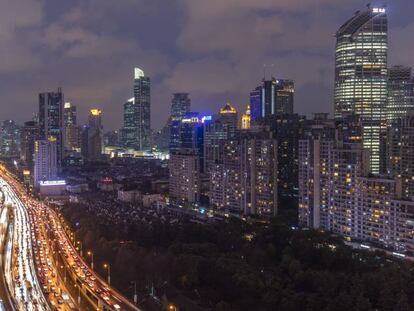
108, 267
78, 293
135, 292
80, 246
64, 267
91, 255
172, 307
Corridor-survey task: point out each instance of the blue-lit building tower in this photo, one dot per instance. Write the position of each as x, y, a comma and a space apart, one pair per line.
272, 97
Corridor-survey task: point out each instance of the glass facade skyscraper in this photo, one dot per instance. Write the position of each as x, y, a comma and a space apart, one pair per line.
400, 92
275, 96
51, 125
142, 110
180, 106
361, 75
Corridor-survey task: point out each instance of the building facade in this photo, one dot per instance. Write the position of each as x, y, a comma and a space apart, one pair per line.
180, 107
275, 96
244, 182
184, 167
400, 93
45, 161
51, 121
142, 103
361, 75
29, 135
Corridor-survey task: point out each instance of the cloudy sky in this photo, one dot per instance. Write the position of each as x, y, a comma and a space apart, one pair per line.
213, 49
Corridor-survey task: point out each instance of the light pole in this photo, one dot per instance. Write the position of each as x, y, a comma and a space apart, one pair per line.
80, 246
91, 254
108, 267
78, 293
135, 292
64, 271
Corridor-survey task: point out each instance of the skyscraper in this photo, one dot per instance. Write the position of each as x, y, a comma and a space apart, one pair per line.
244, 181
220, 128
30, 133
361, 75
400, 92
180, 106
72, 130
400, 153
69, 114
142, 103
51, 120
45, 160
92, 136
275, 96
184, 182
9, 139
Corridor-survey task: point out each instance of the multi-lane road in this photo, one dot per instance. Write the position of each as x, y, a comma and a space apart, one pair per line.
42, 268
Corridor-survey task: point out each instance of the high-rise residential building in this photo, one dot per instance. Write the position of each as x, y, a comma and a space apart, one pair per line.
184, 183
274, 96
29, 135
180, 107
45, 160
246, 119
361, 75
142, 101
244, 182
337, 193
217, 130
400, 153
9, 139
92, 136
400, 92
51, 123
191, 133
287, 129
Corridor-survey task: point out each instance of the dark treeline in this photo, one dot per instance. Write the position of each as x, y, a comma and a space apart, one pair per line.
234, 265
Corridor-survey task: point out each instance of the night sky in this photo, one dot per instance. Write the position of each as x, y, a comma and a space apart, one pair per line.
212, 49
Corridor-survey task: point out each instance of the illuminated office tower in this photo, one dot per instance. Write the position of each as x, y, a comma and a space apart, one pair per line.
142, 110
180, 106
29, 135
51, 120
361, 75
275, 96
45, 160
400, 92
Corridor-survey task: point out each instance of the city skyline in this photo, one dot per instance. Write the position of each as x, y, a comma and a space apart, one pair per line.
174, 59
